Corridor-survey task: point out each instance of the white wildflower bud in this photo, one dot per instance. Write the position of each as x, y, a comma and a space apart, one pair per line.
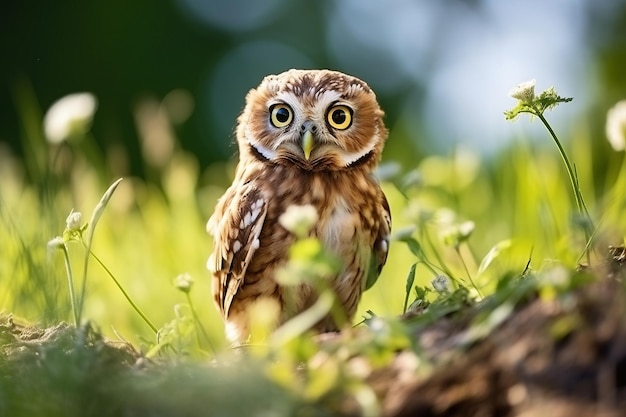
466, 229
616, 126
69, 116
56, 243
74, 221
441, 284
457, 234
525, 92
183, 282
299, 220
404, 233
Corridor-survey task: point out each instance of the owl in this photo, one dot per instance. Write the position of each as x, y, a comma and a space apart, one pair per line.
305, 137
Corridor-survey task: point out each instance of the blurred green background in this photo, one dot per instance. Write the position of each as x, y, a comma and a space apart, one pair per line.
170, 78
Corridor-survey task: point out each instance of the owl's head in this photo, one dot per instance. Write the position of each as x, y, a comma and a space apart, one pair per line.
314, 119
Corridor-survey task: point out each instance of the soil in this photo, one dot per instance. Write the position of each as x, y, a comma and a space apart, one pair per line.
559, 358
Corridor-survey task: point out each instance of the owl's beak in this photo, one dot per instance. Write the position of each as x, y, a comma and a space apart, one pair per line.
307, 144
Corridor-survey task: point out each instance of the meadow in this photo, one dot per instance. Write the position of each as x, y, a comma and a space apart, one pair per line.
128, 274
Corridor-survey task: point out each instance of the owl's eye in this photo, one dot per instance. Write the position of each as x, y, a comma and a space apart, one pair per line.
339, 117
280, 115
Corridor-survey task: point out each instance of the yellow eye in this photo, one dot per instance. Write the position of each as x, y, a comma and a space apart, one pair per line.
339, 117
280, 115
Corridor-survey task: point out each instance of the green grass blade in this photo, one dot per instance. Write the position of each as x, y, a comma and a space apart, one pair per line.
410, 279
95, 217
493, 253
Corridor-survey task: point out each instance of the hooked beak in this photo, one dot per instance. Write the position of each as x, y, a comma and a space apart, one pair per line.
307, 144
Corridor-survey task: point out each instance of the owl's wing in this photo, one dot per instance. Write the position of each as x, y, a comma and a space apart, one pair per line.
381, 244
236, 226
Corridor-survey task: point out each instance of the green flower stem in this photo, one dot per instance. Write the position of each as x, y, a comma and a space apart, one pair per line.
199, 327
441, 264
458, 252
70, 283
528, 102
130, 301
580, 202
588, 226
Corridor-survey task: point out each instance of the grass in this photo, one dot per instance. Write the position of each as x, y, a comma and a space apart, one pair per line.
493, 234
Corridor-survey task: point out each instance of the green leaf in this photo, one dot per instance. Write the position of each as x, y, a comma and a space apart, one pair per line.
97, 212
515, 111
492, 254
548, 99
410, 279
414, 247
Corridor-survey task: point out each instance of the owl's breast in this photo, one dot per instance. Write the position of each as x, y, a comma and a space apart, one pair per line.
337, 225
347, 218
347, 207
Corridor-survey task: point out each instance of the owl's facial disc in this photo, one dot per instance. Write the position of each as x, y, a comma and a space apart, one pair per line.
317, 129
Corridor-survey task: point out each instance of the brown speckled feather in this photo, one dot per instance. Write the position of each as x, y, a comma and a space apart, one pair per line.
237, 239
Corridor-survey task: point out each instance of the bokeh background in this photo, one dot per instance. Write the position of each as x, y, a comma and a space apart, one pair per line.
170, 78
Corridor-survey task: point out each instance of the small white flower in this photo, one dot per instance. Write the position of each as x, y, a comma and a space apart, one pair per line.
403, 233
183, 282
441, 284
616, 126
299, 220
525, 92
70, 115
74, 221
458, 233
56, 243
466, 229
